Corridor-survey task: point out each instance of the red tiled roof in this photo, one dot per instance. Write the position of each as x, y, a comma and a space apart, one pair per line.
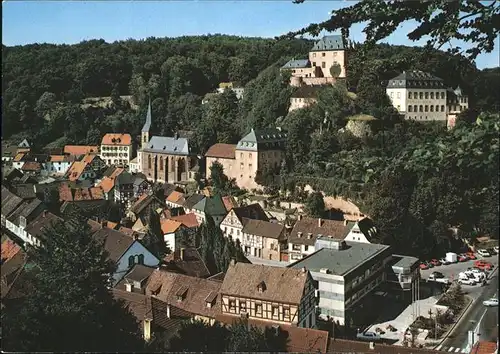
116, 172
169, 226
222, 151
188, 220
229, 202
80, 149
31, 166
9, 250
96, 192
106, 184
82, 194
175, 197
76, 170
484, 348
65, 193
19, 157
57, 158
116, 139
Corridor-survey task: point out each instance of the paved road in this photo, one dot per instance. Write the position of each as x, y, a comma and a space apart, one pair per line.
483, 320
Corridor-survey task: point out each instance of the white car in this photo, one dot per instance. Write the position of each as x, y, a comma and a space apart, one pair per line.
483, 252
491, 302
467, 281
496, 249
368, 336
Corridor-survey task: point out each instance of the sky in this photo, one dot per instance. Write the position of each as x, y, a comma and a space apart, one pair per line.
69, 22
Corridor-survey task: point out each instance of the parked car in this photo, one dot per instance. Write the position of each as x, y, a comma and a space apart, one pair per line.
496, 249
436, 275
483, 252
491, 302
483, 265
467, 281
371, 336
471, 255
492, 251
435, 262
423, 266
462, 258
478, 276
444, 261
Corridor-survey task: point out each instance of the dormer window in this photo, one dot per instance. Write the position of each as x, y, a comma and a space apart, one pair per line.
210, 299
181, 293
261, 287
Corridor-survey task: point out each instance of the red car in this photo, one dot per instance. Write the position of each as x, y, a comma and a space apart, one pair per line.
435, 262
471, 255
424, 266
463, 258
483, 265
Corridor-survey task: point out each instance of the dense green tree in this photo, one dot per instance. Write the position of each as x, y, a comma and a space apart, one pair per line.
470, 21
315, 205
153, 239
69, 275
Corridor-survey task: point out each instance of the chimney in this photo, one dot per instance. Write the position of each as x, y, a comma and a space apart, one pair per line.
304, 269
128, 287
181, 254
320, 222
299, 217
45, 213
372, 345
345, 222
168, 310
233, 262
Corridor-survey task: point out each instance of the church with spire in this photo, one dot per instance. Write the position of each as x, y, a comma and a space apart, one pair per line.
164, 159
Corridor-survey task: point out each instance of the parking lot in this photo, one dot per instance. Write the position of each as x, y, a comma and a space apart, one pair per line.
451, 272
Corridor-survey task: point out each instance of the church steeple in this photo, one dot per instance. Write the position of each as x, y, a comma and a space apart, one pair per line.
146, 127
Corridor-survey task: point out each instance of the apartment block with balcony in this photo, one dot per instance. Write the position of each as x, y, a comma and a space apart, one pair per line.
345, 272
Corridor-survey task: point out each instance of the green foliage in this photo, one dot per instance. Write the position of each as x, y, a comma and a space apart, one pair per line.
442, 21
216, 250
70, 279
335, 70
220, 182
153, 240
238, 337
315, 205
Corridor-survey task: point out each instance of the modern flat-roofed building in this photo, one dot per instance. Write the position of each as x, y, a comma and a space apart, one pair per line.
346, 272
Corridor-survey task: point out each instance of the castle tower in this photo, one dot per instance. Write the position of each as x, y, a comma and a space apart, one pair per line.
146, 128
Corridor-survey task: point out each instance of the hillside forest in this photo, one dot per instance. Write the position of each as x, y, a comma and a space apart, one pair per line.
424, 186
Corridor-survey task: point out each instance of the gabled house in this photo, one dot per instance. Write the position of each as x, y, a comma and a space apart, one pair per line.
80, 171
33, 168
141, 207
124, 188
175, 228
26, 191
58, 164
19, 160
12, 264
95, 162
18, 221
210, 206
10, 202
273, 294
197, 297
305, 232
236, 219
35, 229
263, 239
361, 231
175, 199
125, 252
141, 186
8, 153
191, 201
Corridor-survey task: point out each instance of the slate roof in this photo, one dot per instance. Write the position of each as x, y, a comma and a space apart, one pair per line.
168, 145
222, 151
25, 210
328, 43
252, 211
256, 138
41, 223
139, 273
193, 200
263, 228
25, 191
307, 225
192, 264
340, 262
211, 205
416, 79
10, 202
167, 285
115, 243
297, 64
125, 178
283, 285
